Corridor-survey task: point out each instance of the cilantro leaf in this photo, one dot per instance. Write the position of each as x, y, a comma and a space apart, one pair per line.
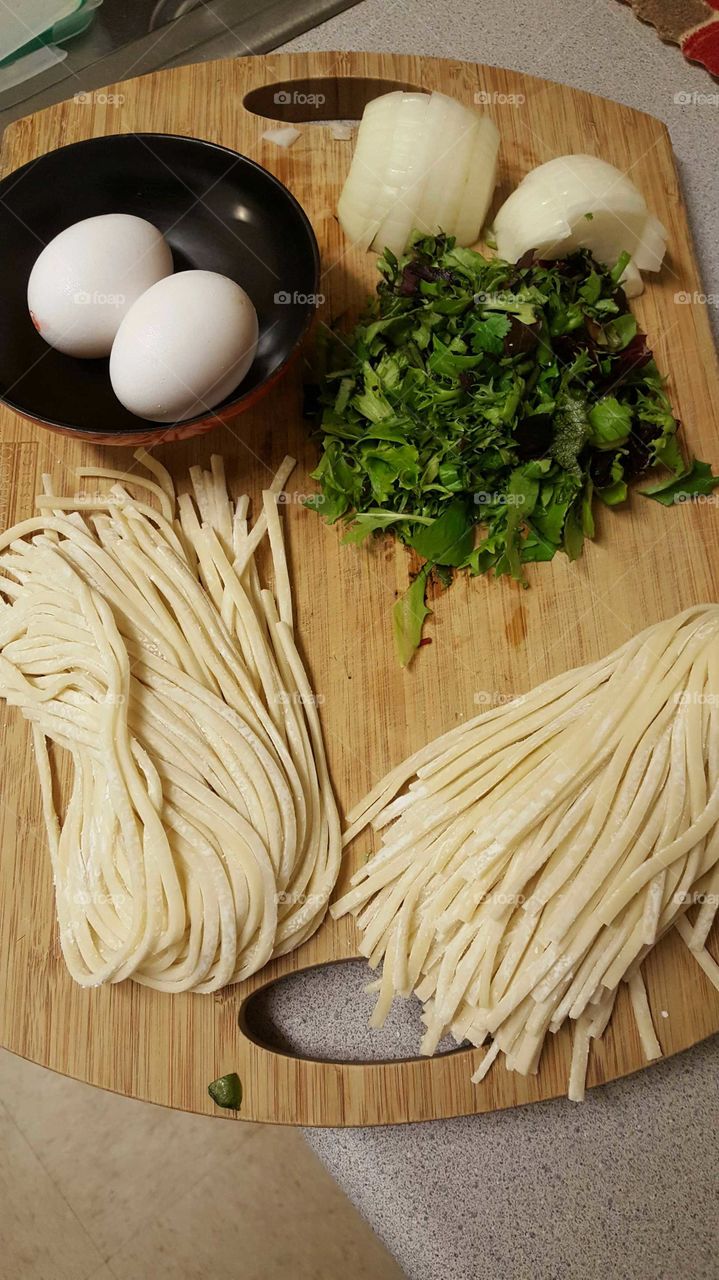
489, 332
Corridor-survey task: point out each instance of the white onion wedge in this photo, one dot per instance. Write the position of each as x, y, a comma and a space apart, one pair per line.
480, 184
405, 171
581, 202
422, 161
359, 208
652, 245
631, 280
451, 131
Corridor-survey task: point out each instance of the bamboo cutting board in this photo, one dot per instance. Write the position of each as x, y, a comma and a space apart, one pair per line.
490, 639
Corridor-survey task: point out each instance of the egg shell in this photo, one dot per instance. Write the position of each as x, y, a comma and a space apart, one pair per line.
184, 346
87, 278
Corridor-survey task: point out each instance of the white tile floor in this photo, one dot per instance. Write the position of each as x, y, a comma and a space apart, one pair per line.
97, 1187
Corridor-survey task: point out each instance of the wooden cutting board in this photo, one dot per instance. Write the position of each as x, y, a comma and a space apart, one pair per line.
489, 639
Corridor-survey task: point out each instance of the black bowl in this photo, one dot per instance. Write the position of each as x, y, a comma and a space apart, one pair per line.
218, 210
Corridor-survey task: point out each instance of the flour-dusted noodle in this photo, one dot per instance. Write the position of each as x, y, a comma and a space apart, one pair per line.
642, 1014
200, 836
701, 955
531, 858
580, 1059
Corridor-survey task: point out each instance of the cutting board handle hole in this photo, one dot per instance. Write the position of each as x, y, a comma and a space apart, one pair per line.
319, 98
321, 1014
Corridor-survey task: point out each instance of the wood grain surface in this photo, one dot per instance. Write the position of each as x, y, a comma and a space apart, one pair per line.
489, 639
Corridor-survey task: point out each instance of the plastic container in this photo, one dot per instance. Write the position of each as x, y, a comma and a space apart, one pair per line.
35, 55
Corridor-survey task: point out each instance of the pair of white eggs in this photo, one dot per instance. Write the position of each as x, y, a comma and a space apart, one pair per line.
178, 344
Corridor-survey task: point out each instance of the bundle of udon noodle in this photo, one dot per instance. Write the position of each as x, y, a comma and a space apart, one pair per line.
543, 848
201, 836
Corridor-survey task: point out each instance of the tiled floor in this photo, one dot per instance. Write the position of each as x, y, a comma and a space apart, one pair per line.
98, 1187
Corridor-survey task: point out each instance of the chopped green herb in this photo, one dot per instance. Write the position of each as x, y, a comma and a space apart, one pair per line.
480, 407
620, 267
572, 429
697, 482
620, 332
591, 290
449, 539
226, 1091
367, 522
408, 616
610, 423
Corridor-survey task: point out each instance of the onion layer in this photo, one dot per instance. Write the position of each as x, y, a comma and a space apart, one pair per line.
581, 202
422, 161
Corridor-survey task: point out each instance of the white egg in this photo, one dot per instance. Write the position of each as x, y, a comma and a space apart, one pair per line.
184, 346
87, 278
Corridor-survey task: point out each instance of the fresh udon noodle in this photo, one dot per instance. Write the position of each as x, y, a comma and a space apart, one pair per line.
201, 836
542, 849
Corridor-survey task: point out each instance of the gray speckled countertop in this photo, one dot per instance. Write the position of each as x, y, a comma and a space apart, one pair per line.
624, 1186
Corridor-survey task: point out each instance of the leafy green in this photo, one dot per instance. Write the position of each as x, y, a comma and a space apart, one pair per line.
408, 616
573, 534
571, 432
489, 333
449, 539
367, 522
620, 332
620, 267
697, 482
226, 1091
591, 290
481, 407
614, 490
610, 423
522, 497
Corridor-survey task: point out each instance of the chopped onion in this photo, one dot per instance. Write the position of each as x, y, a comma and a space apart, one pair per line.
581, 202
285, 137
422, 161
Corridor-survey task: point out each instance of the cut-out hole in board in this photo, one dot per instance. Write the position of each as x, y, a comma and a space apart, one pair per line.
319, 98
322, 1014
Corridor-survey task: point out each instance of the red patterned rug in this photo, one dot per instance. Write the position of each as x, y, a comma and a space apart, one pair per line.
692, 24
